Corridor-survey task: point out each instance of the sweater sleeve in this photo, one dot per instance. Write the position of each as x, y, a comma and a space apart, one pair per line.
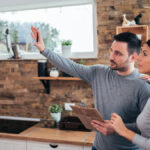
141, 141
70, 67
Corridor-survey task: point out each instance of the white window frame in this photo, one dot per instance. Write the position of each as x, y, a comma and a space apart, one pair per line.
15, 5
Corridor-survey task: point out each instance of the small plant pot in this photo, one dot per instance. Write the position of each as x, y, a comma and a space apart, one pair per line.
56, 116
66, 50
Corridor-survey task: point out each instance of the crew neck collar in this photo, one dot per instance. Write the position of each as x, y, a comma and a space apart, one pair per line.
131, 75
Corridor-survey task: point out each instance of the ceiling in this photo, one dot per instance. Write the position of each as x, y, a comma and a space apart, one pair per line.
12, 5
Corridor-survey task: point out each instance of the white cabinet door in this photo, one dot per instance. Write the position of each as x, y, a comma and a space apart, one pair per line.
87, 147
32, 145
10, 144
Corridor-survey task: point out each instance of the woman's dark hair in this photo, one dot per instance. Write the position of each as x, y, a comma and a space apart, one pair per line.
134, 43
148, 42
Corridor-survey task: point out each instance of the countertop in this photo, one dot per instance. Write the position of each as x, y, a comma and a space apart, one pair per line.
55, 135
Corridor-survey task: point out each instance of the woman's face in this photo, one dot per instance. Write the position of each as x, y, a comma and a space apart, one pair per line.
144, 60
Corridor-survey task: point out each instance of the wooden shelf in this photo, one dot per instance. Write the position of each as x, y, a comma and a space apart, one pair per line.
136, 29
57, 78
46, 81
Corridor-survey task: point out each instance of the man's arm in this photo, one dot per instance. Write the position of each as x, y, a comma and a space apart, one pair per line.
70, 67
84, 72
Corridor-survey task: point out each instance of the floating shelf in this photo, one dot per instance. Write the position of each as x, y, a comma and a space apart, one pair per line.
141, 30
46, 81
57, 78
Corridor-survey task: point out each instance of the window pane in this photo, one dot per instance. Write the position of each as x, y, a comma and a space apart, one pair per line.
56, 24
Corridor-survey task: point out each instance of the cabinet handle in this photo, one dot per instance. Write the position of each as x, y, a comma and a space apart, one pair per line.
53, 146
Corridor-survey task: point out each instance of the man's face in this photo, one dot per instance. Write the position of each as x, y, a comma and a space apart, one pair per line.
119, 57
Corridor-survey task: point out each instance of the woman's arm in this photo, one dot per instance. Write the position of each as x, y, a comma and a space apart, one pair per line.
141, 141
120, 127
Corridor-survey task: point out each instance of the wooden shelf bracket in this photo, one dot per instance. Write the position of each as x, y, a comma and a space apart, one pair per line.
46, 81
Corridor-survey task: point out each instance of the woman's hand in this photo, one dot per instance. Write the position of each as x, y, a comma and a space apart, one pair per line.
36, 34
120, 127
103, 127
118, 124
146, 77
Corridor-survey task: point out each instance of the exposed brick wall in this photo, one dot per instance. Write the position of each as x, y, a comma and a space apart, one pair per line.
109, 15
20, 95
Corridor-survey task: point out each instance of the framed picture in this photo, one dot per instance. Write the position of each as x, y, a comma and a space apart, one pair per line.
140, 30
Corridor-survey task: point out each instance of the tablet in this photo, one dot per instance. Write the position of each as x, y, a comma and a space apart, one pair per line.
86, 115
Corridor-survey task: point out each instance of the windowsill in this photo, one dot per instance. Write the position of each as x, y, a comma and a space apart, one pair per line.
37, 56
30, 56
83, 55
18, 60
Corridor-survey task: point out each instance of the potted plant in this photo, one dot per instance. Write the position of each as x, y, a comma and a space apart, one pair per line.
66, 47
55, 111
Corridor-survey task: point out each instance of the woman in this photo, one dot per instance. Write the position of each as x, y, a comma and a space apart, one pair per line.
143, 120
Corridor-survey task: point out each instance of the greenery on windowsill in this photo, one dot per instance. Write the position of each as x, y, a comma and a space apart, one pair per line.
66, 43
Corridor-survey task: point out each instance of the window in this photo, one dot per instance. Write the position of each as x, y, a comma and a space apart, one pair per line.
57, 20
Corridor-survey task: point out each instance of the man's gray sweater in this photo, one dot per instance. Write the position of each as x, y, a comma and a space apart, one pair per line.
124, 95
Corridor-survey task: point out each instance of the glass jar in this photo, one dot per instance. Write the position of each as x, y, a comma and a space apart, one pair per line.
54, 72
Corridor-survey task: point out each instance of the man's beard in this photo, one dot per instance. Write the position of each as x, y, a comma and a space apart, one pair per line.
116, 67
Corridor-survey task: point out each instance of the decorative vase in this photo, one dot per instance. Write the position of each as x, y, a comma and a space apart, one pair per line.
66, 50
54, 72
56, 116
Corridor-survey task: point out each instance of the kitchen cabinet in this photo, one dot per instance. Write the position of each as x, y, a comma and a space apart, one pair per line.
10, 144
87, 147
32, 145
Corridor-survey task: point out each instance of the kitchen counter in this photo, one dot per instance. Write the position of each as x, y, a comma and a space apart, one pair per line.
90, 139
55, 135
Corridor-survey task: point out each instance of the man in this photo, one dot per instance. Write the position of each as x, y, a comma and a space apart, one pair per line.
117, 88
